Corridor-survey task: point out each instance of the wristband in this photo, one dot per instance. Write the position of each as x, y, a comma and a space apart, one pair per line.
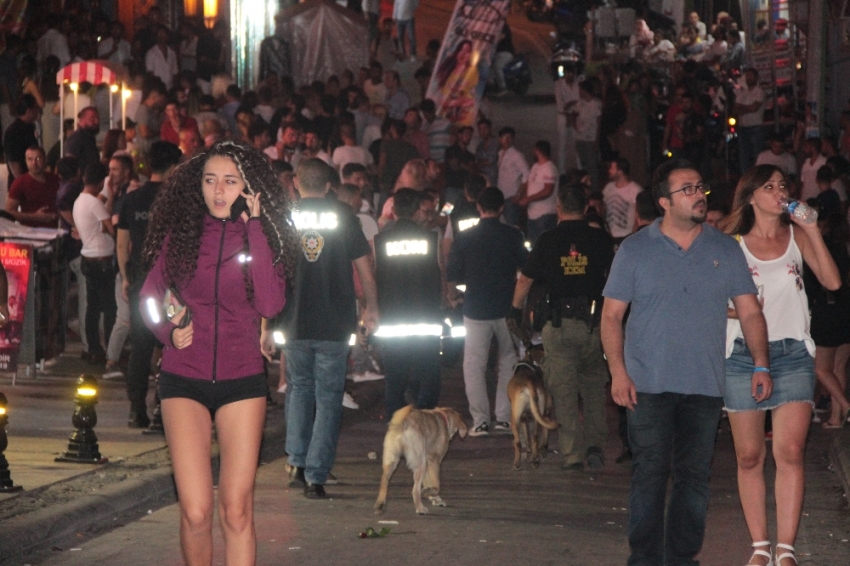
760, 368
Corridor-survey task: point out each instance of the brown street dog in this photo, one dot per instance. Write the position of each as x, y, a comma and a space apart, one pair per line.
529, 403
422, 437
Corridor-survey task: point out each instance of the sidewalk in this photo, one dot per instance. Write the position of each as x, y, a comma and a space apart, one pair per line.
83, 514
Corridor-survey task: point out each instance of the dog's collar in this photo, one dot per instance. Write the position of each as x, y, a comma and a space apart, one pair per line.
532, 366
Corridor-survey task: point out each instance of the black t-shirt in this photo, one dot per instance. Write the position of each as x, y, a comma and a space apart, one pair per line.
321, 304
571, 260
458, 163
134, 217
19, 136
83, 146
65, 197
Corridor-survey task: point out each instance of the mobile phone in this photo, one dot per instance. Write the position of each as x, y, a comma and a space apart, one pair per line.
239, 206
447, 209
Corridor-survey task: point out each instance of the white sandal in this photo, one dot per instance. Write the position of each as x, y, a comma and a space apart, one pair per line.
784, 555
765, 553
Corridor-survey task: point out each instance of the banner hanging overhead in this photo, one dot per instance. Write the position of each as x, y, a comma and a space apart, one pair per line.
460, 74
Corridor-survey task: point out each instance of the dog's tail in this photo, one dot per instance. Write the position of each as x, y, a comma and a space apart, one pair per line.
533, 400
400, 415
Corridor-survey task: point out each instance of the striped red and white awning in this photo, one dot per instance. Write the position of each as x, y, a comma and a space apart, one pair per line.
95, 72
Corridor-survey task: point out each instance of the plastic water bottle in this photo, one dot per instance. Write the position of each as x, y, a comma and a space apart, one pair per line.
800, 210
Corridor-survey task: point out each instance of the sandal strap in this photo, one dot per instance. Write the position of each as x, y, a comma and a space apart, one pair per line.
761, 553
785, 555
761, 543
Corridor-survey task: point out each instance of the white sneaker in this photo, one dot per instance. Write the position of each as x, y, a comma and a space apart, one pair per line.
113, 374
348, 401
481, 430
366, 376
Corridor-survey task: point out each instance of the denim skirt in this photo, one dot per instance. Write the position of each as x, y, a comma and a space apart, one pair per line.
792, 370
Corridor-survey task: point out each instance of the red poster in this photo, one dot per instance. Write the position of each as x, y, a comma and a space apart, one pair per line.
16, 260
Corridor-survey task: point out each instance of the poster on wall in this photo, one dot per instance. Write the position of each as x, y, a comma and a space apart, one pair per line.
463, 64
16, 259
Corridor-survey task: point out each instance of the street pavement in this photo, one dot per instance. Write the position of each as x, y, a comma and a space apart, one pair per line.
495, 515
124, 512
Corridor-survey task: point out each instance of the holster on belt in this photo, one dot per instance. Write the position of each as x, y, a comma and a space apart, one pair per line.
573, 307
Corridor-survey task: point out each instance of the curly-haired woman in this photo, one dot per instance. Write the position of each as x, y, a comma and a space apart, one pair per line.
775, 248
226, 262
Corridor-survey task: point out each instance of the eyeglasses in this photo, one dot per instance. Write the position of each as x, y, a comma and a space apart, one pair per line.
691, 190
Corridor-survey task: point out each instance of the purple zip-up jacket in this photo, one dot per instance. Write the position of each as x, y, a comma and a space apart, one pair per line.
226, 334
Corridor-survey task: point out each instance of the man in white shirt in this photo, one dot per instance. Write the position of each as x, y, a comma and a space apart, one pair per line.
115, 48
540, 196
349, 151
585, 116
513, 174
776, 155
94, 224
620, 196
566, 97
749, 108
53, 42
693, 18
808, 173
161, 59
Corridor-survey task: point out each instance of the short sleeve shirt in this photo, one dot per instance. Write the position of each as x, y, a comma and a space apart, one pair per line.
676, 332
571, 260
542, 174
323, 305
33, 195
134, 217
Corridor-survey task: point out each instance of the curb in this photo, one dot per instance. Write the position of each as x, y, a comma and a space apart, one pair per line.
839, 453
36, 531
113, 506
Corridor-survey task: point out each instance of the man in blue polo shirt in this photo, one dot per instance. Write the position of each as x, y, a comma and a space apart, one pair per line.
678, 275
486, 258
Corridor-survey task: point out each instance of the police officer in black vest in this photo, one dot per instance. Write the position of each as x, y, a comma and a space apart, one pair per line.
465, 214
572, 261
407, 273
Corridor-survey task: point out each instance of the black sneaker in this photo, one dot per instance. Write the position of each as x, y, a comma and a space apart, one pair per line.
138, 419
502, 426
296, 477
625, 456
314, 491
595, 458
481, 430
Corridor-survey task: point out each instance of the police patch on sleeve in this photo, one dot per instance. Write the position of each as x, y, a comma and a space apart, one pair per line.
312, 243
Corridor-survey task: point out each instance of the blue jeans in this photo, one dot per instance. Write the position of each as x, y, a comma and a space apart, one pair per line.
315, 373
413, 361
406, 27
537, 226
665, 426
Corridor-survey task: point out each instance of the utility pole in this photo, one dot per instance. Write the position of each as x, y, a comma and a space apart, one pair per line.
815, 49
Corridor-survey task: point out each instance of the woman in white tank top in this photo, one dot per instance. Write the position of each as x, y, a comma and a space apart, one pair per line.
775, 249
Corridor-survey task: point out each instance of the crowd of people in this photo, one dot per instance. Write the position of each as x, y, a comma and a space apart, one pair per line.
179, 236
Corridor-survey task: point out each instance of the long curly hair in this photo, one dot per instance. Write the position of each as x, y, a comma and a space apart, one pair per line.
179, 209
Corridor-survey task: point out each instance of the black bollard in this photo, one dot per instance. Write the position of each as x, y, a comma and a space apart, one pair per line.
82, 444
6, 483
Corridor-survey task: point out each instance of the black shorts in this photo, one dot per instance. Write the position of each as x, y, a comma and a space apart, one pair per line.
212, 395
